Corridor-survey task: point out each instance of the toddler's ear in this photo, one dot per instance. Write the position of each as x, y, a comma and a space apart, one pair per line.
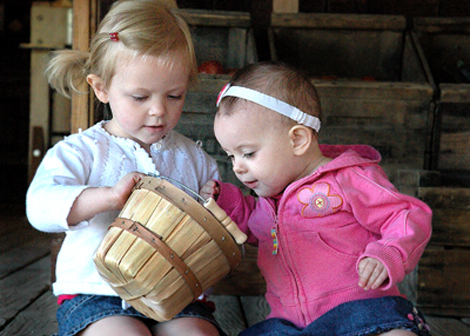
97, 84
301, 138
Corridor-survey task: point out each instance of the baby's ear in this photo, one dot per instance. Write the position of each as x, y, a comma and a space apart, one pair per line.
98, 87
301, 138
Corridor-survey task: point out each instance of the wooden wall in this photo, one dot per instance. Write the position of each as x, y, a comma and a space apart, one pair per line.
15, 74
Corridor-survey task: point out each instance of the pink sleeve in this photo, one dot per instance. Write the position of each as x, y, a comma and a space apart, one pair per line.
237, 206
401, 222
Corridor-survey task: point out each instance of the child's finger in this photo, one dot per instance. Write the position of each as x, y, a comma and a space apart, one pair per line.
365, 271
380, 279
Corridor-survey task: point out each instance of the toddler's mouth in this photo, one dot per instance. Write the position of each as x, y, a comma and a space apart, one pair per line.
155, 127
251, 184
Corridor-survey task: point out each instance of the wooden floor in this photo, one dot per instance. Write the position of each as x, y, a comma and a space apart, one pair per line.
27, 306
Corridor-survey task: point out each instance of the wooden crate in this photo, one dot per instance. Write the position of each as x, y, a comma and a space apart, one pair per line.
441, 282
370, 80
228, 38
446, 42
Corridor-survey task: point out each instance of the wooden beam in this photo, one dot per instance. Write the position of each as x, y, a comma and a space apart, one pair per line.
84, 25
285, 6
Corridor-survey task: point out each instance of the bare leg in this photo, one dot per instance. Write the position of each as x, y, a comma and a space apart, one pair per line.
117, 326
398, 332
185, 326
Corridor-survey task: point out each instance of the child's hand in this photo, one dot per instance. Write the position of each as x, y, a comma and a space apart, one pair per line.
123, 189
372, 273
93, 201
210, 190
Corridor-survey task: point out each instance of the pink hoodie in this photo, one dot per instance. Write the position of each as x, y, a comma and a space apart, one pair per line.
325, 224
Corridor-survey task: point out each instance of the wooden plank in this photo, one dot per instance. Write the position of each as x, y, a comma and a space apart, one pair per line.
15, 229
285, 6
84, 17
454, 150
228, 313
37, 150
237, 45
442, 24
20, 289
444, 281
451, 227
455, 93
12, 217
255, 308
441, 326
198, 17
374, 91
339, 21
451, 214
21, 236
445, 197
38, 319
21, 256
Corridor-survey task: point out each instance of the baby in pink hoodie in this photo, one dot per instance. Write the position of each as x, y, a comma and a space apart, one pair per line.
334, 236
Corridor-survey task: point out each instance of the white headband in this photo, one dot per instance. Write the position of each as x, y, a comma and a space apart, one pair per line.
271, 103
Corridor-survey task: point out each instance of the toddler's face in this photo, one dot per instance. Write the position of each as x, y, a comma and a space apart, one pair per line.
259, 148
146, 96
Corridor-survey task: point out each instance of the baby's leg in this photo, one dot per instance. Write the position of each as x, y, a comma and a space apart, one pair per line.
185, 326
117, 326
398, 332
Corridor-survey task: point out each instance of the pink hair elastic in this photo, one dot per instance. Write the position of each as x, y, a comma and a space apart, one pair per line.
271, 103
114, 37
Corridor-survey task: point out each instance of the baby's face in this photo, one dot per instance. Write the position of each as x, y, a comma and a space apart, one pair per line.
259, 147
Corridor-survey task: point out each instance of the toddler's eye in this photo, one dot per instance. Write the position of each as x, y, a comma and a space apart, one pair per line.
248, 155
139, 98
175, 97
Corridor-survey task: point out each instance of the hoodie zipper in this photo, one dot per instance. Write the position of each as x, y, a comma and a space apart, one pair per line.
274, 236
289, 267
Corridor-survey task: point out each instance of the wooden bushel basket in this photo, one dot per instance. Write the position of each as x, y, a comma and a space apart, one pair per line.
165, 249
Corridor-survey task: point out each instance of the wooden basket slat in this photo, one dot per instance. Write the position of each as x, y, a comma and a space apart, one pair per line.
133, 203
153, 272
195, 245
165, 218
117, 252
141, 286
208, 255
170, 282
102, 253
180, 239
146, 309
136, 257
171, 306
145, 208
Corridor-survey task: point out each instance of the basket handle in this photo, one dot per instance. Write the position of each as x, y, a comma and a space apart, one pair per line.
226, 221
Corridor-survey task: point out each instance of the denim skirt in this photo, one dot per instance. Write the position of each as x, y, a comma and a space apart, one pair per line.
355, 318
76, 314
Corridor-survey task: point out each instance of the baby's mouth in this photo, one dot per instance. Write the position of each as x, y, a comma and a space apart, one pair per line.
251, 184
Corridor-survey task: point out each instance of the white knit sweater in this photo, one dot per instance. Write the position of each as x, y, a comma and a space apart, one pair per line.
94, 158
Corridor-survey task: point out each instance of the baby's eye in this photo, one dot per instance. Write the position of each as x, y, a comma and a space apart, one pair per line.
231, 157
139, 98
248, 155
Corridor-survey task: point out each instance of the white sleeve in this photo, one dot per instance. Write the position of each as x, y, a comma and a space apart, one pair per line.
60, 178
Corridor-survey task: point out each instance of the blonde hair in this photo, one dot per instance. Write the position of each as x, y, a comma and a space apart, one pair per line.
144, 27
278, 80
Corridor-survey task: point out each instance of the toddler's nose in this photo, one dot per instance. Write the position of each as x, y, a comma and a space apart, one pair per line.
157, 109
